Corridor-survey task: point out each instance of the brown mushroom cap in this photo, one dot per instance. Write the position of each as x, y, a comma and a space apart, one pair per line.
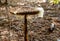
24, 10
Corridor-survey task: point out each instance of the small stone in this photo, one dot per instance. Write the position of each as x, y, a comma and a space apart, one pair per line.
58, 39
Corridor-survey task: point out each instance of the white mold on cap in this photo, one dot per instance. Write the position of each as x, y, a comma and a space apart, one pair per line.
41, 12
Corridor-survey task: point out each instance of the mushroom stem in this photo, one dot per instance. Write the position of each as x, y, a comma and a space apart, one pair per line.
52, 27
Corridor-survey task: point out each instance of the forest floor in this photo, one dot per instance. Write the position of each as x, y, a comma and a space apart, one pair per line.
12, 26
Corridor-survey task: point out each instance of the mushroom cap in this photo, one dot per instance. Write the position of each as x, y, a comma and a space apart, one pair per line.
24, 10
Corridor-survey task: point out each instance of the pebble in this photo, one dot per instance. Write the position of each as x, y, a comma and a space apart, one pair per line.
58, 39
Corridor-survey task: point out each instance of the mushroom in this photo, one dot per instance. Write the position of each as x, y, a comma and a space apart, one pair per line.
52, 27
38, 10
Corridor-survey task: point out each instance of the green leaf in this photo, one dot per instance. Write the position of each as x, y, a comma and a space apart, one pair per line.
55, 1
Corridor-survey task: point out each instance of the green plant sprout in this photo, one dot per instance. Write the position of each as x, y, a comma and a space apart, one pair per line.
54, 1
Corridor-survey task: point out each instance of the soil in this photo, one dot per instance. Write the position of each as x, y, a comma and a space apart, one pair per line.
12, 26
